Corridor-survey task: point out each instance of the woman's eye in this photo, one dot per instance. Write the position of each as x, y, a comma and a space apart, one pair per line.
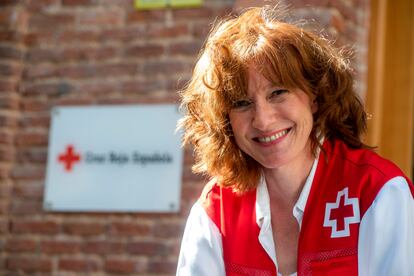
241, 104
279, 92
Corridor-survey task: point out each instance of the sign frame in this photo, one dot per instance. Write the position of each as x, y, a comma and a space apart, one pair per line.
113, 167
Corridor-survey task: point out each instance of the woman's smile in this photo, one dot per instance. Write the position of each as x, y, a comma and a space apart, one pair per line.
267, 140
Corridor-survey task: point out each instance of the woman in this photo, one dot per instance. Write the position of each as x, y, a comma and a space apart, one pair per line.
275, 122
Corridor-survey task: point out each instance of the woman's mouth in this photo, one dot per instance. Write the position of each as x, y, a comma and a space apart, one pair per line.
273, 137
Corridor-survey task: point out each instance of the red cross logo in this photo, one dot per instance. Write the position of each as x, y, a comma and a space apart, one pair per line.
69, 158
340, 214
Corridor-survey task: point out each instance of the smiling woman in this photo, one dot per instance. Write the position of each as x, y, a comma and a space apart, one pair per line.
275, 122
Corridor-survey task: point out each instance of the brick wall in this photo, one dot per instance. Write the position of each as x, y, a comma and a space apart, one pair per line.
346, 23
12, 27
83, 52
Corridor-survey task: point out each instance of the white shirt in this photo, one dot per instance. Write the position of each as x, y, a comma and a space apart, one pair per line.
385, 246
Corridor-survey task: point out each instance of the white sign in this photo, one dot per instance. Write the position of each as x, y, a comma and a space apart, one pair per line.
114, 158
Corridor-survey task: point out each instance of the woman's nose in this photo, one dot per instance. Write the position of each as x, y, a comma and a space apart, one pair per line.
262, 116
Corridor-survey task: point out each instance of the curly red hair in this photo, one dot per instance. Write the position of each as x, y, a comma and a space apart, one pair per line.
287, 55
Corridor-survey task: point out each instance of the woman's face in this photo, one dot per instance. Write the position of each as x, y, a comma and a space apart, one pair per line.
272, 124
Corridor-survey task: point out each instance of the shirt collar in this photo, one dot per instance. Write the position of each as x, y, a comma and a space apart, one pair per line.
300, 205
263, 202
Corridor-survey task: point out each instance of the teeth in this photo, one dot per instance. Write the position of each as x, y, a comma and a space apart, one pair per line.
273, 137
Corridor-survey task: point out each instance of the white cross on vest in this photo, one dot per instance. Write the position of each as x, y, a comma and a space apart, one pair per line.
340, 214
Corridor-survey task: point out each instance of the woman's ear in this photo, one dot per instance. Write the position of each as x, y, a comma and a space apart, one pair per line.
314, 106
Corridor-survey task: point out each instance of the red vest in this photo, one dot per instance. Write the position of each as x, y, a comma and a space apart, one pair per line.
343, 176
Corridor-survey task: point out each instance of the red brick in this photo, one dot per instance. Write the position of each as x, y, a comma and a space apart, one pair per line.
60, 247
10, 101
116, 69
120, 266
41, 4
44, 21
100, 18
200, 30
361, 4
98, 71
337, 21
97, 89
8, 120
167, 67
162, 266
9, 36
148, 50
31, 138
6, 138
4, 226
78, 265
3, 264
193, 14
35, 120
156, 31
88, 54
141, 87
26, 207
10, 70
50, 56
6, 154
4, 207
345, 8
5, 190
11, 52
168, 229
53, 89
6, 16
192, 192
147, 248
18, 19
103, 247
34, 227
146, 16
125, 34
80, 36
307, 3
129, 229
158, 98
84, 229
100, 87
74, 101
34, 38
7, 85
34, 105
176, 246
4, 172
29, 264
37, 55
21, 245
28, 190
8, 3
190, 48
27, 172
118, 101
351, 33
78, 2
116, 3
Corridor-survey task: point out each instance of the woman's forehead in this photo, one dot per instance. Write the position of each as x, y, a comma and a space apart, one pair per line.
263, 76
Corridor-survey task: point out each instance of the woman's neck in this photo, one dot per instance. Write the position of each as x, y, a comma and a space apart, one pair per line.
285, 183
